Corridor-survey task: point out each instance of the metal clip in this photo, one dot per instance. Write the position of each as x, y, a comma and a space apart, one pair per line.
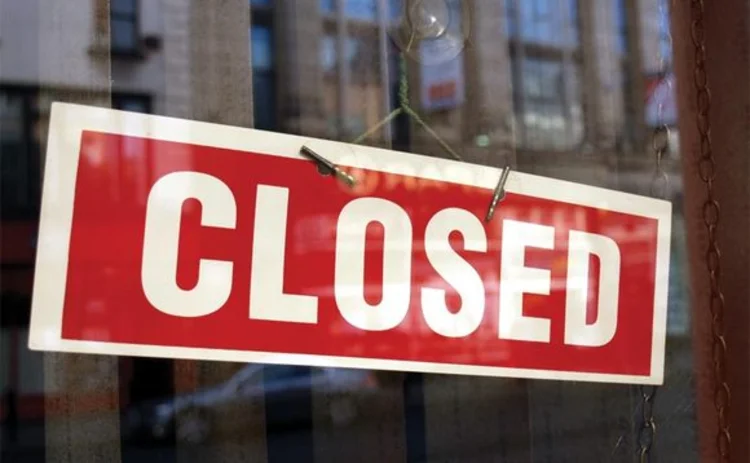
327, 167
498, 194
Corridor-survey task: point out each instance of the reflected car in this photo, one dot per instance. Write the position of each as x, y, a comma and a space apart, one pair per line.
190, 417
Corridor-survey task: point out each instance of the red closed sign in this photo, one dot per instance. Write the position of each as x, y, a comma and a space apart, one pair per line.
173, 238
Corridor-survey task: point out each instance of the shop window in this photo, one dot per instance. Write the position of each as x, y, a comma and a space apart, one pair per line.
123, 15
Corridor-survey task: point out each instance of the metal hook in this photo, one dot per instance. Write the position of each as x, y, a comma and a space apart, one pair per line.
328, 166
498, 194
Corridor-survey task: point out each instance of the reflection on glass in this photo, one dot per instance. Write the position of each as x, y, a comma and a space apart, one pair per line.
328, 6
262, 50
550, 119
365, 10
124, 25
621, 25
123, 6
665, 43
395, 9
261, 40
547, 22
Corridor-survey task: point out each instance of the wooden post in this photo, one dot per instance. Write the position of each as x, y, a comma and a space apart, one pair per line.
728, 70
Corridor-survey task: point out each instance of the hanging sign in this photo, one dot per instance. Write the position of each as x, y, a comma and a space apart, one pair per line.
171, 238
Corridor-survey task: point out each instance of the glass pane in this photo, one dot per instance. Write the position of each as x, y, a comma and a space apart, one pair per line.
361, 9
328, 6
264, 106
395, 9
546, 21
262, 47
510, 18
134, 104
328, 54
543, 79
124, 7
123, 34
13, 154
621, 26
573, 23
11, 117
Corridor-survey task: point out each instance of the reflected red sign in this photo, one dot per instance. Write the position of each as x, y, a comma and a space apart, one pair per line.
173, 238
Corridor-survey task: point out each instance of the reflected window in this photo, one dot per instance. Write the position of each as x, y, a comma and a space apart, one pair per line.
262, 57
548, 22
328, 6
263, 65
621, 26
395, 9
124, 26
133, 103
365, 10
511, 18
328, 55
17, 176
546, 61
19, 166
354, 91
543, 92
360, 10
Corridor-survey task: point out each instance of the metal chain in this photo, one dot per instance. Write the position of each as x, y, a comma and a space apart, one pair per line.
659, 189
707, 173
647, 428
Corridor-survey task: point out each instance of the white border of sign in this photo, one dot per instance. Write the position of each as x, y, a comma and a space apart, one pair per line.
68, 121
